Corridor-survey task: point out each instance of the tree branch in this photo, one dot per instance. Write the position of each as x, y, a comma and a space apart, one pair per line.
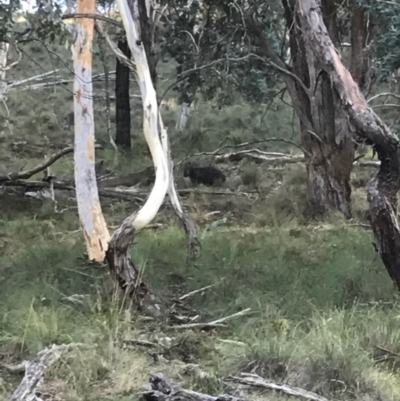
94, 16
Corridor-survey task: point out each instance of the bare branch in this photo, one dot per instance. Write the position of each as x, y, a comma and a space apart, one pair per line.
257, 381
214, 323
382, 95
379, 106
114, 47
94, 16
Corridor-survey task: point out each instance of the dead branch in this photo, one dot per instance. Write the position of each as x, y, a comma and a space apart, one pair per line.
214, 323
386, 94
158, 389
242, 145
23, 175
380, 106
257, 381
33, 379
94, 16
259, 156
40, 167
114, 47
197, 291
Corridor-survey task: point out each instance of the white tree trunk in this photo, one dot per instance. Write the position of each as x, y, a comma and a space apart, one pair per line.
3, 65
121, 265
3, 84
183, 117
90, 214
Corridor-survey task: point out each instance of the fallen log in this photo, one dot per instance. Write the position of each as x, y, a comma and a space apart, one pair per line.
34, 370
257, 381
159, 389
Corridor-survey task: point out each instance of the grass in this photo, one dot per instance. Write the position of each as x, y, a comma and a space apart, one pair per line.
323, 311
321, 304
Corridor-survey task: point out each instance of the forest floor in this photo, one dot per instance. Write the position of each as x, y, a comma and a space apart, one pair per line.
323, 312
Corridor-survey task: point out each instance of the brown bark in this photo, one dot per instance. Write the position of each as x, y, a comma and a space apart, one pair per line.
330, 149
360, 64
91, 217
383, 187
123, 106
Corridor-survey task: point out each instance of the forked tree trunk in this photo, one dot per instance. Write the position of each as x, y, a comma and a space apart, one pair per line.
119, 260
143, 12
366, 125
122, 100
325, 137
90, 214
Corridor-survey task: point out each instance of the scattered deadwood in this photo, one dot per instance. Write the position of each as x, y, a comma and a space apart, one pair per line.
366, 126
23, 175
215, 323
34, 371
144, 177
257, 381
159, 389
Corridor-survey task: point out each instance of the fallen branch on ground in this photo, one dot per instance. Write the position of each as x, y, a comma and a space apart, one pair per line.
257, 381
242, 145
33, 379
158, 389
197, 291
23, 175
214, 323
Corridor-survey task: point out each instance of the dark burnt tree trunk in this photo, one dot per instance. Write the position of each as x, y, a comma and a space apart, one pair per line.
148, 33
365, 125
122, 101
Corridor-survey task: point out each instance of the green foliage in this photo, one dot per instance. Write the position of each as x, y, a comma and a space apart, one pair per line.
386, 44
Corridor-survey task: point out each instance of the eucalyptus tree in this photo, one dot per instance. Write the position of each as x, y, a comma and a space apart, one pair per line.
244, 45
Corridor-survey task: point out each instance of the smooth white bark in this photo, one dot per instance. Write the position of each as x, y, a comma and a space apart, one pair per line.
150, 123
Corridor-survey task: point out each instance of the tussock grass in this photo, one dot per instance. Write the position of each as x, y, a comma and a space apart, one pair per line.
322, 305
324, 316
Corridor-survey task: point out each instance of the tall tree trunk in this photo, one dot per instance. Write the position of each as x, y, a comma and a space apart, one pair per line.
324, 133
90, 214
367, 126
122, 101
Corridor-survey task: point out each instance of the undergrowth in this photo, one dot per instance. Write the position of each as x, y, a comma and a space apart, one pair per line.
322, 310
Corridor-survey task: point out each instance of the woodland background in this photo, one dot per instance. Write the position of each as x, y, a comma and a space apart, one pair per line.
323, 310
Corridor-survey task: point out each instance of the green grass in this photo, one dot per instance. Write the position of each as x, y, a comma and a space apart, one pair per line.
321, 305
323, 310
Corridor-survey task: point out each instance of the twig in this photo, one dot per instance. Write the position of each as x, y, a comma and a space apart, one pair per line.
197, 291
387, 351
383, 94
158, 389
23, 175
242, 145
93, 16
19, 368
214, 323
378, 106
257, 381
118, 53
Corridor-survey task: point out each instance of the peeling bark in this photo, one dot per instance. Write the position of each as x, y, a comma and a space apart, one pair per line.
324, 133
383, 187
90, 214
